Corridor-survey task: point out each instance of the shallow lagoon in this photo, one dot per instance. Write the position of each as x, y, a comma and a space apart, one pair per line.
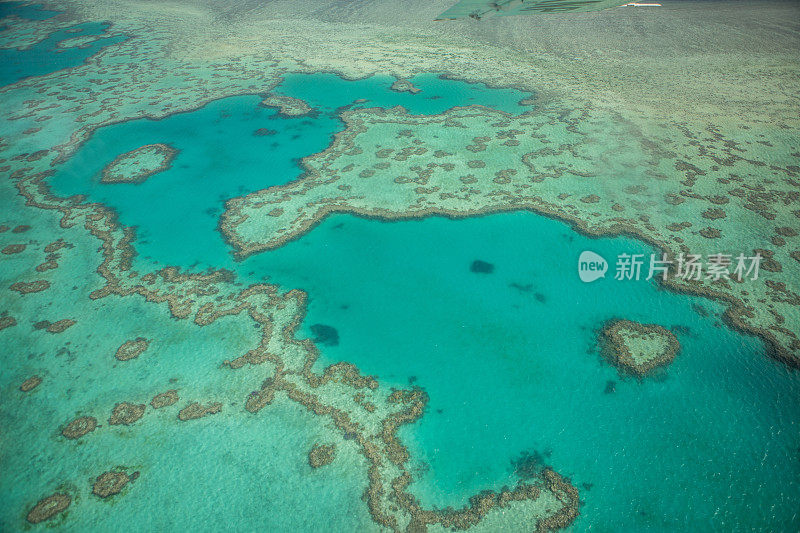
220, 157
512, 370
25, 11
508, 358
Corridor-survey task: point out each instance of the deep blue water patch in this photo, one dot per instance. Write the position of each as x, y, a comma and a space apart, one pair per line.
46, 57
25, 11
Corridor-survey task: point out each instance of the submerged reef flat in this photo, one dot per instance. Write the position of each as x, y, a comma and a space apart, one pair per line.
30, 383
614, 145
138, 165
638, 348
79, 41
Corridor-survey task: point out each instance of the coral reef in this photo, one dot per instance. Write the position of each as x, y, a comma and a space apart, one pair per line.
287, 105
30, 383
401, 85
164, 399
80, 427
565, 183
638, 348
321, 455
195, 410
126, 413
132, 349
49, 507
682, 170
60, 326
7, 322
112, 482
140, 164
13, 249
27, 287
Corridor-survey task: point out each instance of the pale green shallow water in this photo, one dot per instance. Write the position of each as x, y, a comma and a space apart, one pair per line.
710, 443
212, 474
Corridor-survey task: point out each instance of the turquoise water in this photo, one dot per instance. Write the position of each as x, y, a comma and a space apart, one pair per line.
25, 11
328, 91
712, 443
222, 158
508, 358
230, 470
45, 57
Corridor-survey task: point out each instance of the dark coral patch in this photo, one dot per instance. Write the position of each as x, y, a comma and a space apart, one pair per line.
80, 427
321, 455
132, 349
48, 507
126, 413
7, 322
529, 465
710, 233
481, 267
30, 383
325, 335
194, 411
13, 249
165, 399
60, 326
110, 483
26, 287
